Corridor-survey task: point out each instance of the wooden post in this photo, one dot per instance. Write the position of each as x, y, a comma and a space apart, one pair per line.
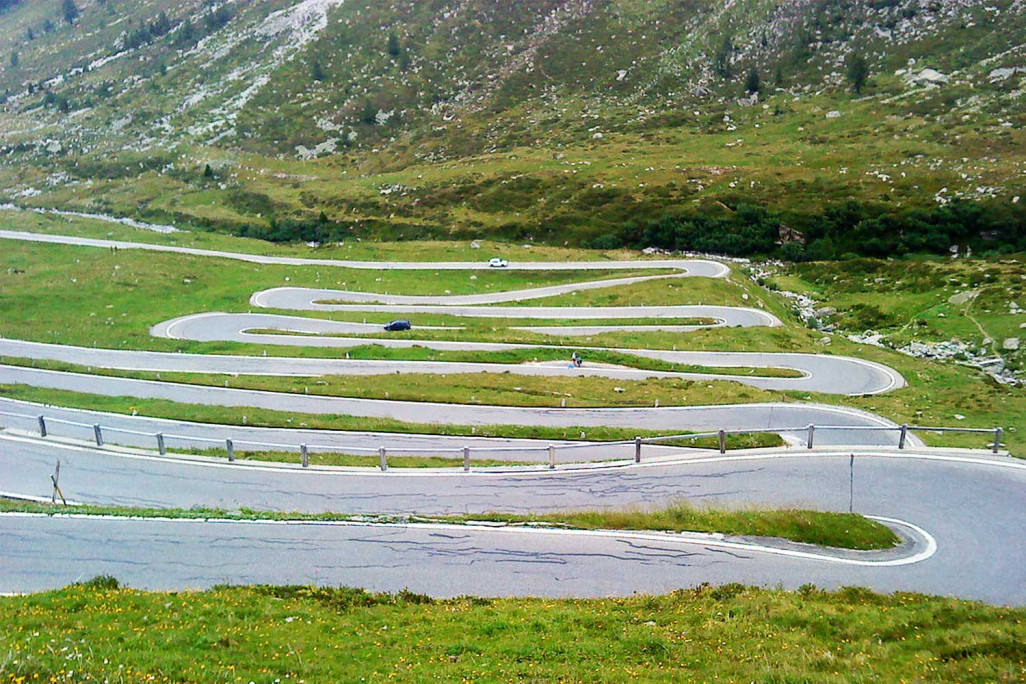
55, 478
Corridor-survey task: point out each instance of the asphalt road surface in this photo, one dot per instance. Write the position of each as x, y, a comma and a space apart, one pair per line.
968, 506
752, 417
697, 267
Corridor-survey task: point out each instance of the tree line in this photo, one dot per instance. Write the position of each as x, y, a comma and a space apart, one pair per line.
839, 231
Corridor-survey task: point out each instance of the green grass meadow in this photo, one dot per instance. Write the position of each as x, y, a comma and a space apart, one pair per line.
96, 631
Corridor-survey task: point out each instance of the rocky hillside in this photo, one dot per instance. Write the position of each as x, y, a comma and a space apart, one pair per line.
482, 115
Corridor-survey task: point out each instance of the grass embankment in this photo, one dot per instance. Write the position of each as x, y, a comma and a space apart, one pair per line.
838, 530
254, 417
723, 634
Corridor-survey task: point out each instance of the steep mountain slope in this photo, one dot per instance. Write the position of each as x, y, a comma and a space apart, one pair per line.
559, 119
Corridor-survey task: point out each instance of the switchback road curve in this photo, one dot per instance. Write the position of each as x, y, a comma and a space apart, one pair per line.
960, 513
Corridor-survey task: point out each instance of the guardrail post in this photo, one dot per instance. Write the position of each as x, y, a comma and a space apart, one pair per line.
304, 456
723, 441
466, 459
382, 458
231, 450
552, 457
161, 449
812, 434
997, 439
901, 437
98, 435
637, 449
42, 426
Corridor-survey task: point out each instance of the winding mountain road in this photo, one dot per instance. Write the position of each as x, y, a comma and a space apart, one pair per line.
696, 267
959, 514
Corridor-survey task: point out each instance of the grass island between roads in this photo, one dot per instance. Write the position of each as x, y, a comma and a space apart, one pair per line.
838, 530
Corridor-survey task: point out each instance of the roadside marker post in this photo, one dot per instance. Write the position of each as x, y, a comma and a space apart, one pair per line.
161, 449
42, 426
812, 434
98, 435
723, 441
552, 457
901, 437
304, 456
637, 449
466, 459
383, 458
997, 439
231, 450
55, 478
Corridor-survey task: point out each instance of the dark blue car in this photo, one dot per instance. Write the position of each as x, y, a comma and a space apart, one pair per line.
397, 325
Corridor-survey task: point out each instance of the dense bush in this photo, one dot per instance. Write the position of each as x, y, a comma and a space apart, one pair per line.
843, 230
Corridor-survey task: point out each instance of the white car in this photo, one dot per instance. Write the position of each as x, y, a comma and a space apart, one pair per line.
497, 262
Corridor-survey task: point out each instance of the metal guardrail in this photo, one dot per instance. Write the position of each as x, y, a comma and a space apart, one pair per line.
231, 445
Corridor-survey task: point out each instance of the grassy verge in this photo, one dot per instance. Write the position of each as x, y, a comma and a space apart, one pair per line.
710, 634
353, 460
841, 530
254, 417
490, 388
838, 530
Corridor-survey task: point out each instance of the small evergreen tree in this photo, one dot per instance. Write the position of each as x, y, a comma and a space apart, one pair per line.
14, 59
858, 72
370, 113
317, 71
753, 84
30, 35
69, 10
394, 48
721, 63
208, 172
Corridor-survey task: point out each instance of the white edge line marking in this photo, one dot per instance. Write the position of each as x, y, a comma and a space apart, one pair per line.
690, 538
